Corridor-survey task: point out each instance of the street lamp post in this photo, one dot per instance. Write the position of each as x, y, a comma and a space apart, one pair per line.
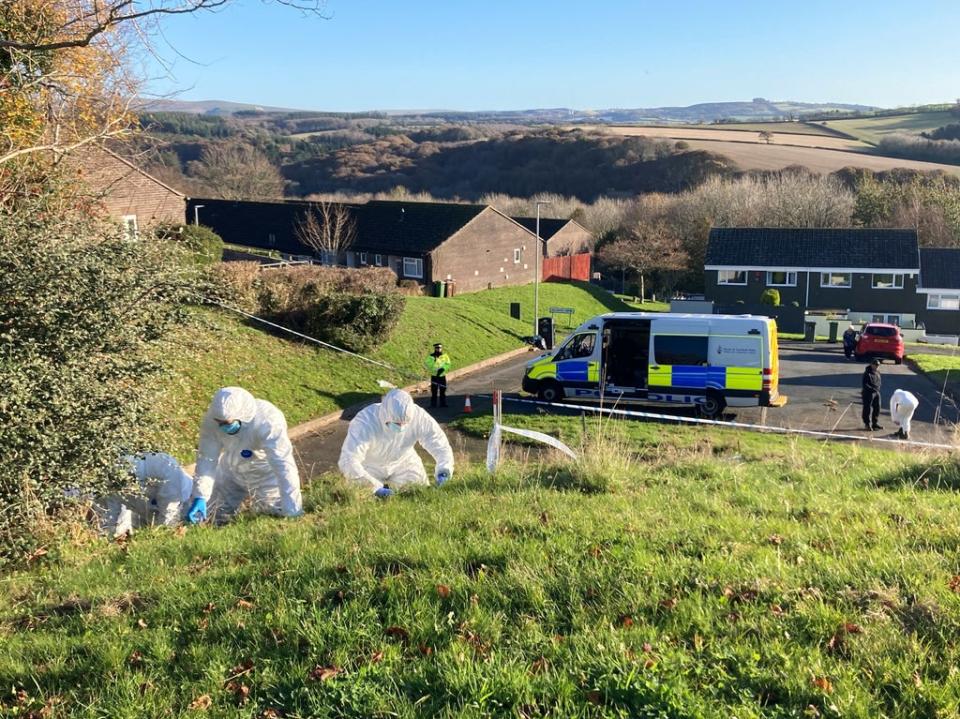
536, 272
196, 214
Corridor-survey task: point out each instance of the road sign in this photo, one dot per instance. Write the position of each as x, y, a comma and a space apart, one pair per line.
561, 310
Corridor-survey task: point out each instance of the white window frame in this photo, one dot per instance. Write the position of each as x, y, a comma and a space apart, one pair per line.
378, 260
790, 281
416, 273
894, 277
363, 258
516, 255
271, 239
829, 275
935, 300
722, 281
130, 225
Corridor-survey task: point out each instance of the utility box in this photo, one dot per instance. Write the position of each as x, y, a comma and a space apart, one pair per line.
515, 310
809, 331
545, 330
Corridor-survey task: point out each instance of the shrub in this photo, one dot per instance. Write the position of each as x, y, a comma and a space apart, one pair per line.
81, 303
235, 283
356, 322
412, 288
202, 242
770, 297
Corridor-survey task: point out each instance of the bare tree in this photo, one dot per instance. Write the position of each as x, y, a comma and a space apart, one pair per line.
238, 172
329, 229
648, 247
766, 136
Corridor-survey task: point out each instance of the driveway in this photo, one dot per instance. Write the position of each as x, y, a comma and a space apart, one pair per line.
823, 387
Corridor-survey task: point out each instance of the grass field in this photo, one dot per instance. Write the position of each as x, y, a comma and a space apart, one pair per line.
791, 128
941, 369
670, 573
306, 382
730, 134
871, 129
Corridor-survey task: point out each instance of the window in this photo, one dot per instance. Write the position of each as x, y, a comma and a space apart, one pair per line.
835, 279
516, 256
130, 225
271, 240
378, 260
579, 346
782, 279
676, 350
413, 267
363, 258
888, 282
943, 302
731, 277
328, 257
894, 319
875, 331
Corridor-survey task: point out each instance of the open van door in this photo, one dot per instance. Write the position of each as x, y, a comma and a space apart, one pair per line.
626, 356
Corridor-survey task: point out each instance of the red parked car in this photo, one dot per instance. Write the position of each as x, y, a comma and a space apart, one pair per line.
880, 341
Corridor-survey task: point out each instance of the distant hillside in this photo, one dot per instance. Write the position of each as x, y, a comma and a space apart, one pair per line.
756, 109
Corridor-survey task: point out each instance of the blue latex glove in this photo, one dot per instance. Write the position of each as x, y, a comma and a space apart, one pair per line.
198, 511
383, 493
442, 477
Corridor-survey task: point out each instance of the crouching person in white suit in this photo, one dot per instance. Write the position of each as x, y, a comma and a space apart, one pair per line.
244, 452
379, 450
164, 491
902, 406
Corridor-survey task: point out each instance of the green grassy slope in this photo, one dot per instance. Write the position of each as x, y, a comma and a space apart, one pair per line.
871, 129
675, 573
307, 382
942, 369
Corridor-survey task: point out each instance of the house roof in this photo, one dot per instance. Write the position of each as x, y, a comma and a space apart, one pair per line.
800, 248
409, 227
939, 268
549, 226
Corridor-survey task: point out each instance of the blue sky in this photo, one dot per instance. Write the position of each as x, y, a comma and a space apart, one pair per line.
497, 54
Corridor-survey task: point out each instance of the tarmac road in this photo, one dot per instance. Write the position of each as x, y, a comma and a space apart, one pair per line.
823, 389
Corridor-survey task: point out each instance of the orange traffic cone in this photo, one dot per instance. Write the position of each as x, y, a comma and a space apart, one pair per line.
466, 406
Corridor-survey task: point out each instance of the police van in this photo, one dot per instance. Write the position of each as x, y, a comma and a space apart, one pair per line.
706, 361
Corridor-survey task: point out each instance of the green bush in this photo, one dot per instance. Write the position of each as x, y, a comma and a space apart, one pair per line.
356, 322
201, 242
81, 303
770, 298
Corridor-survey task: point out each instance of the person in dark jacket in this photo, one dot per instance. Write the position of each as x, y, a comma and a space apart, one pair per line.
871, 396
849, 341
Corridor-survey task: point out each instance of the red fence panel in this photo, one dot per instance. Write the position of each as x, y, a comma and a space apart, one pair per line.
568, 267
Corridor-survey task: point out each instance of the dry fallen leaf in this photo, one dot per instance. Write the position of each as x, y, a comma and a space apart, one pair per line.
209, 608
443, 591
135, 659
775, 539
241, 692
594, 697
244, 604
823, 684
425, 650
954, 584
540, 665
835, 644
669, 603
776, 610
36, 554
544, 517
181, 530
647, 648
141, 624
376, 657
201, 703
239, 670
398, 633
322, 674
625, 621
851, 628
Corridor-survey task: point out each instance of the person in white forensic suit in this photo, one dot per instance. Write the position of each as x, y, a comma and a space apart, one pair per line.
244, 452
379, 450
902, 406
164, 490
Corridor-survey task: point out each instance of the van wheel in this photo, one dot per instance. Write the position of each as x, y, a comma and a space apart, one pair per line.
550, 392
899, 360
712, 407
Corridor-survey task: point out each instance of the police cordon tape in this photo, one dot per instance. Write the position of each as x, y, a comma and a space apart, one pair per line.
327, 345
722, 423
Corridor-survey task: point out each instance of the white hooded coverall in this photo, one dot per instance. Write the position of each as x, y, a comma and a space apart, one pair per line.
376, 455
164, 486
902, 406
256, 462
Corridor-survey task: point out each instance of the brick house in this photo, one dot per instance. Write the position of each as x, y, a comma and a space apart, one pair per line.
876, 272
476, 246
128, 194
560, 237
